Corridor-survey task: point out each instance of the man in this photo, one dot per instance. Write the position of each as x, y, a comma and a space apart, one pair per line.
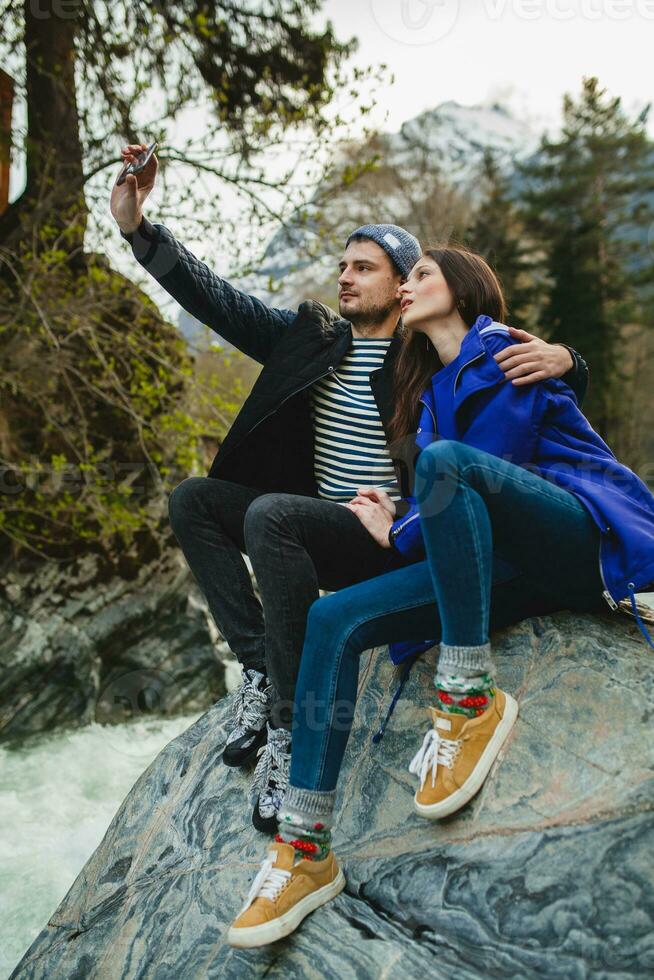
310, 435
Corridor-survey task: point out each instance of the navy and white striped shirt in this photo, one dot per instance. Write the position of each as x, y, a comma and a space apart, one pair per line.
349, 439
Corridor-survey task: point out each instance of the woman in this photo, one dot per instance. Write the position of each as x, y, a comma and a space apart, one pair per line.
521, 509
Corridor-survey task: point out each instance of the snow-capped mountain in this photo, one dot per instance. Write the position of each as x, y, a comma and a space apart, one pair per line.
449, 140
459, 135
444, 145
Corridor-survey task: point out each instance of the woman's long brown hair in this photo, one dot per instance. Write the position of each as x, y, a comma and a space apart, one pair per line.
475, 289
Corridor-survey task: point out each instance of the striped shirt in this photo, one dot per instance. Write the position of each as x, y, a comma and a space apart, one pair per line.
349, 439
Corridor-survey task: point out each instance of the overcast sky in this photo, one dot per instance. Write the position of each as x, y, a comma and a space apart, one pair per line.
523, 53
526, 52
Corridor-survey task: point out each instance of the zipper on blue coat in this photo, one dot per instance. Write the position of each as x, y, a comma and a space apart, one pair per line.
404, 524
433, 417
464, 366
605, 594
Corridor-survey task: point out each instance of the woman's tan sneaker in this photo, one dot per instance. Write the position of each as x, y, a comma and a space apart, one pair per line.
456, 755
282, 894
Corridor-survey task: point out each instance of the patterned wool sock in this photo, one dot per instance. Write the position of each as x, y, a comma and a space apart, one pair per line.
465, 680
305, 821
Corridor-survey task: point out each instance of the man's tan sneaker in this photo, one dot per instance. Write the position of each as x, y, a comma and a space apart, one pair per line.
456, 755
282, 894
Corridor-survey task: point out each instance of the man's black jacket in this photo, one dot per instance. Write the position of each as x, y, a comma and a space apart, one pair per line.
270, 444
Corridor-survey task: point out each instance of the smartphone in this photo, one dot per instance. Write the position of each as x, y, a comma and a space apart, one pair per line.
137, 165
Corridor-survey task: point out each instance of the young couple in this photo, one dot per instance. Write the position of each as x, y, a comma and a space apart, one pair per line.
514, 507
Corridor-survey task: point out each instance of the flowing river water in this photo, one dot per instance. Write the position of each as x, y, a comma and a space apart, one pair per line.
58, 794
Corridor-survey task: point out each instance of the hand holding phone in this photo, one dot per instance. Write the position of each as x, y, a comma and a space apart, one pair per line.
133, 184
137, 165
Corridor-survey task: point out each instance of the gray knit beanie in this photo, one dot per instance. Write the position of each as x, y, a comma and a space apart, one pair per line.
400, 245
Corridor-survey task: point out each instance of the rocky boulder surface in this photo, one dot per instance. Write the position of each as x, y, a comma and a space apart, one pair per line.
546, 873
78, 646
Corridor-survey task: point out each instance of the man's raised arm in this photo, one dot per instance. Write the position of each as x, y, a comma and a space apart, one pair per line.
239, 318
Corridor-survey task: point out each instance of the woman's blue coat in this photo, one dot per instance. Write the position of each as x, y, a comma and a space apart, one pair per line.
540, 427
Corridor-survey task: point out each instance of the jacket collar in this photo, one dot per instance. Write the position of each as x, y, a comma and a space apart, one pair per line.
473, 369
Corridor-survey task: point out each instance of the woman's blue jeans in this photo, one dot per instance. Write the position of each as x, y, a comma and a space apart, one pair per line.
502, 544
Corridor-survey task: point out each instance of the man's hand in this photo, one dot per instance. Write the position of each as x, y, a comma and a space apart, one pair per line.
377, 496
127, 199
533, 359
374, 517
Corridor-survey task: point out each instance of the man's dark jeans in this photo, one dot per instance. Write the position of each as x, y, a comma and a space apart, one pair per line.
297, 545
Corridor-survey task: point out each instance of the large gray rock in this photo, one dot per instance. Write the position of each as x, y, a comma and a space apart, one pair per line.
546, 873
78, 646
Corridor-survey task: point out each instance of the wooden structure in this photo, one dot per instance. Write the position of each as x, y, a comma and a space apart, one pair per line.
6, 105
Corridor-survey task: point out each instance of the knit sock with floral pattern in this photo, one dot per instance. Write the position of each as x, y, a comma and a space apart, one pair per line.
305, 821
464, 680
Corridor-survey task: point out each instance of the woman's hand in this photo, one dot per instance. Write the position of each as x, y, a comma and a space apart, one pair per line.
378, 497
533, 360
127, 199
374, 517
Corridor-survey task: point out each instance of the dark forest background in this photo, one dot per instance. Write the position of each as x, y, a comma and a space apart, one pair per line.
104, 408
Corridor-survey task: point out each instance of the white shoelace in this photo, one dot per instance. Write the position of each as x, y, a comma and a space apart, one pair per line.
433, 752
268, 882
274, 764
250, 706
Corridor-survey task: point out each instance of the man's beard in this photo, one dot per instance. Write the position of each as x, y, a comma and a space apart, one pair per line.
368, 317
